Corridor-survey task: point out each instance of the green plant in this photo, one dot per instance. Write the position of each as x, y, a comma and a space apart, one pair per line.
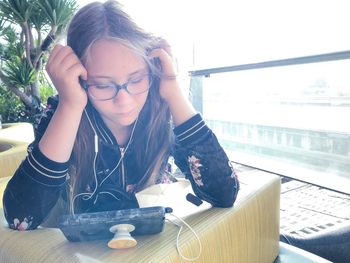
11, 108
27, 30
46, 91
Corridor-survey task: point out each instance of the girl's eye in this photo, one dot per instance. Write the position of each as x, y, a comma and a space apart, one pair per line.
102, 86
136, 80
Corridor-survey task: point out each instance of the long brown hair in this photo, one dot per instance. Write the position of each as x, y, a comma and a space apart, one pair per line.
153, 136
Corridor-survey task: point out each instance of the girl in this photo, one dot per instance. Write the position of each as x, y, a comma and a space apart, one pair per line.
109, 132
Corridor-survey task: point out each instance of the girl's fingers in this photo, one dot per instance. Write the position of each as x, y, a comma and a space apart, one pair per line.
167, 48
69, 60
55, 51
163, 44
167, 62
78, 70
62, 59
158, 52
63, 53
58, 55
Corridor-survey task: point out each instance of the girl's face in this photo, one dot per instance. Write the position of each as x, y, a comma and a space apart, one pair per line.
109, 63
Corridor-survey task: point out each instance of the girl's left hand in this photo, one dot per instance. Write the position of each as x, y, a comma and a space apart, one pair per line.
169, 87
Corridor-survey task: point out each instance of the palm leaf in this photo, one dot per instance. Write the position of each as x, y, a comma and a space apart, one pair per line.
11, 45
9, 34
16, 11
19, 73
2, 23
38, 18
19, 49
58, 12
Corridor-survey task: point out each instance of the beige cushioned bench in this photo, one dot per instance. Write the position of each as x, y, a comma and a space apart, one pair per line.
248, 232
14, 139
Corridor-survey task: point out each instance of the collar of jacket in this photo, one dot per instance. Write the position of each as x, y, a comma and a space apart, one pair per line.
103, 132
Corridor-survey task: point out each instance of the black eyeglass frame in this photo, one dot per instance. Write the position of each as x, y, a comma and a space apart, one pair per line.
118, 87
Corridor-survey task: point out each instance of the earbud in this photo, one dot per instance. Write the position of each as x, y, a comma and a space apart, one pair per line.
122, 237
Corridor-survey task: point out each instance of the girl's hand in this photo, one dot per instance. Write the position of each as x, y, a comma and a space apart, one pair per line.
169, 87
64, 69
180, 108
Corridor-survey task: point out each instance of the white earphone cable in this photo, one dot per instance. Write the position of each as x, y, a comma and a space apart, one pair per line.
87, 196
178, 238
122, 155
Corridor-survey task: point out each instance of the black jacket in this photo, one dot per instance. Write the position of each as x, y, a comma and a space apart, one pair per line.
39, 182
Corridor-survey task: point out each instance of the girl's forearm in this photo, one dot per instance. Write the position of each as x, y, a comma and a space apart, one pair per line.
180, 107
58, 139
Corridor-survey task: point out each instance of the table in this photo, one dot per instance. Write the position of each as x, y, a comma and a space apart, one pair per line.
248, 232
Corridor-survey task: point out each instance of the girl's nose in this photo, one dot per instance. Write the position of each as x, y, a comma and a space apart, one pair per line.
122, 97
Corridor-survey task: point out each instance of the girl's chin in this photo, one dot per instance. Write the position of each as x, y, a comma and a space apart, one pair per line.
126, 119
121, 119
126, 122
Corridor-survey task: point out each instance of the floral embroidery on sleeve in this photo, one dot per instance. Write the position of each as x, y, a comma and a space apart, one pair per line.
21, 226
194, 168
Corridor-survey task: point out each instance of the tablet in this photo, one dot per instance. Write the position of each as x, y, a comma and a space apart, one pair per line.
95, 226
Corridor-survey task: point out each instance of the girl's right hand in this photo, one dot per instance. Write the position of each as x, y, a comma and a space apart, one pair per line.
64, 69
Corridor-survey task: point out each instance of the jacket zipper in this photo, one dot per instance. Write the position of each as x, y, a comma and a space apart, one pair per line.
122, 152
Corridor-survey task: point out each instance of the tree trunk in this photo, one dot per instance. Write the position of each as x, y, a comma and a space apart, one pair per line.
27, 101
26, 29
35, 89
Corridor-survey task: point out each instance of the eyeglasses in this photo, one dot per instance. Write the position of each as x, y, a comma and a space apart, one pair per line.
103, 89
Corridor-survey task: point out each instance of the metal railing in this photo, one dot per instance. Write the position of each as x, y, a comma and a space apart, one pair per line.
274, 63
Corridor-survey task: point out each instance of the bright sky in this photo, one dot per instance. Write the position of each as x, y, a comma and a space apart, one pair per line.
231, 32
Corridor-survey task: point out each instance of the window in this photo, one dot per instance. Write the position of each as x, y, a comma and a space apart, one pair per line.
283, 103
287, 119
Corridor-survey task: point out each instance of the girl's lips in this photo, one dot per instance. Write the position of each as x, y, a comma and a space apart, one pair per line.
126, 113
